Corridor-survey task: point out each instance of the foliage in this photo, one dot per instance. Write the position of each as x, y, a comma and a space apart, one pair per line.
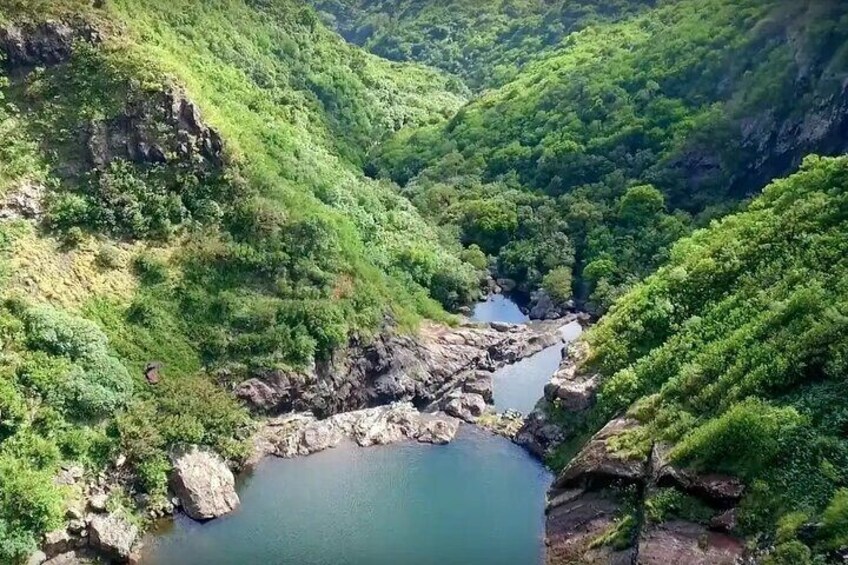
737, 350
625, 130
484, 42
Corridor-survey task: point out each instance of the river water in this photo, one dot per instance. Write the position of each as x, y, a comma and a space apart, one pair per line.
479, 499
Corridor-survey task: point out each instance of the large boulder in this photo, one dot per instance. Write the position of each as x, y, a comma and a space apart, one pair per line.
466, 406
112, 535
598, 461
204, 483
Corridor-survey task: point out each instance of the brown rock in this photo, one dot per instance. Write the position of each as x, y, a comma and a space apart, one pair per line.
596, 461
685, 543
725, 522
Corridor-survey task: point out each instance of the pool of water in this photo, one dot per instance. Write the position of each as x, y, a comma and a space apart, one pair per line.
479, 499
499, 308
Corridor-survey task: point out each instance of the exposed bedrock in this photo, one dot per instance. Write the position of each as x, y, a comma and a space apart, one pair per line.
424, 369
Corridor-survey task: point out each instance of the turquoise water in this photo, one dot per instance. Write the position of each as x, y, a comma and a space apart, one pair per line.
479, 499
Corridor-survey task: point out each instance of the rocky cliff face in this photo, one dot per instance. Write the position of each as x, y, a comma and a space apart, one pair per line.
606, 506
420, 369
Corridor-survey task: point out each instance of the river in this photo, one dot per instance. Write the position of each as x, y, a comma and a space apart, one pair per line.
479, 499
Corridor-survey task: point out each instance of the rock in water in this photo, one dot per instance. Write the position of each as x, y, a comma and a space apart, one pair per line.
204, 483
466, 406
113, 536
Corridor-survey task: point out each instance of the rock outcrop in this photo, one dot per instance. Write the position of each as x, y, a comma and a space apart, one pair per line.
597, 491
302, 434
42, 45
572, 390
684, 543
203, 483
421, 369
112, 535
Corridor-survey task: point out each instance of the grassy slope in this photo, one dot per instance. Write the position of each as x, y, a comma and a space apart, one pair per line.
300, 252
735, 353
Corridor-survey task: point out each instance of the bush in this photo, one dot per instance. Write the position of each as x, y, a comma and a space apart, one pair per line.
475, 257
834, 529
150, 269
557, 283
109, 257
60, 333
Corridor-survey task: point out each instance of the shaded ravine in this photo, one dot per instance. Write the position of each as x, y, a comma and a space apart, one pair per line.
479, 499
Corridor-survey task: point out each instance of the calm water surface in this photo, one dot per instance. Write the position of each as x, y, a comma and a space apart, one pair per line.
499, 308
479, 499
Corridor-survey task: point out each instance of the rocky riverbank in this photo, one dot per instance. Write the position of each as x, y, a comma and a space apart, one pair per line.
620, 500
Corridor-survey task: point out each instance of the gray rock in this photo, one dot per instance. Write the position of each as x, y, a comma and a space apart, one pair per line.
25, 202
466, 406
37, 558
76, 557
543, 307
113, 536
437, 431
396, 368
480, 384
98, 502
56, 542
302, 434
203, 482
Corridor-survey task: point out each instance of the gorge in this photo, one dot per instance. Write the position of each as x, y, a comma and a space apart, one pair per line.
478, 498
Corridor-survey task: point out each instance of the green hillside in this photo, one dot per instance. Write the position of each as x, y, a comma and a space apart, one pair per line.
629, 134
735, 352
247, 240
486, 43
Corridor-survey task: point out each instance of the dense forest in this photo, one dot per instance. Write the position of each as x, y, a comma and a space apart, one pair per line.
629, 135
241, 185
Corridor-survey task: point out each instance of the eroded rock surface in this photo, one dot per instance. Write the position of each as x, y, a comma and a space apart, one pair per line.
685, 543
302, 434
421, 369
204, 483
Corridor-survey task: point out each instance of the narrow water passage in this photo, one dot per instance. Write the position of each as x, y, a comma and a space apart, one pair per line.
479, 499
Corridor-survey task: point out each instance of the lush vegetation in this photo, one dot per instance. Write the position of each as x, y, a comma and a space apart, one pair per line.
735, 353
624, 138
273, 254
484, 42
337, 190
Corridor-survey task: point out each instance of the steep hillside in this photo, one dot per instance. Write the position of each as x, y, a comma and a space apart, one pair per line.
729, 364
484, 42
689, 107
182, 201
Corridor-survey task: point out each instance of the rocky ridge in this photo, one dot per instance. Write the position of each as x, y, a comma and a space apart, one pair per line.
596, 507
422, 369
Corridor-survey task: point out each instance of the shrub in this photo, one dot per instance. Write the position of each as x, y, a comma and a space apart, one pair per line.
834, 529
557, 283
150, 269
109, 257
60, 333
